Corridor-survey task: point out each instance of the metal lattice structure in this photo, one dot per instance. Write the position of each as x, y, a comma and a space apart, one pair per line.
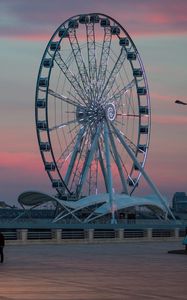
92, 109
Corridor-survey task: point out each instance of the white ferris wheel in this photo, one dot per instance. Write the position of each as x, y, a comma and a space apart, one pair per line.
93, 110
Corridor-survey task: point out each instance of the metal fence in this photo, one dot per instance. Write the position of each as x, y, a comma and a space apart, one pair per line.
73, 234
138, 233
39, 234
104, 234
10, 234
60, 235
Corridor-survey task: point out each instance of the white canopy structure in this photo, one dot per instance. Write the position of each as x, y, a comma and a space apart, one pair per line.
92, 207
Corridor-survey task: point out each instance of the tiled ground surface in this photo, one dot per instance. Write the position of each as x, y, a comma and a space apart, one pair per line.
137, 271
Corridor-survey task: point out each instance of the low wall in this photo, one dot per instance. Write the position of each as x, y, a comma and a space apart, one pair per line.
58, 236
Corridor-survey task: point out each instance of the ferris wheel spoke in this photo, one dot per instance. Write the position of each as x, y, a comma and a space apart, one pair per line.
74, 128
79, 62
109, 171
127, 115
104, 58
124, 167
78, 162
123, 140
88, 159
65, 154
132, 146
122, 92
69, 149
61, 97
119, 122
113, 75
63, 125
76, 100
96, 172
118, 161
70, 76
103, 170
74, 155
92, 63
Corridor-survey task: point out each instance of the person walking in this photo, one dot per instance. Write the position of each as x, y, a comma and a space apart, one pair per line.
2, 244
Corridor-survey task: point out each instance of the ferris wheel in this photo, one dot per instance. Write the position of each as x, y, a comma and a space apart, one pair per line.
92, 108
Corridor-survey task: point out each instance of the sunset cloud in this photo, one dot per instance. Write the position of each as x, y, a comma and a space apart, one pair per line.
37, 20
21, 161
174, 120
19, 172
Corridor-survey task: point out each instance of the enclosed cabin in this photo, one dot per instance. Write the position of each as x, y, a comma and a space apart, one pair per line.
63, 33
132, 181
49, 166
131, 55
144, 129
94, 19
48, 62
141, 91
45, 146
57, 183
105, 22
42, 125
137, 72
124, 41
84, 19
73, 24
43, 82
41, 103
55, 46
144, 110
115, 30
136, 167
142, 148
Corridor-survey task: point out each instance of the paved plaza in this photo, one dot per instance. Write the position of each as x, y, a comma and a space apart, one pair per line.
132, 270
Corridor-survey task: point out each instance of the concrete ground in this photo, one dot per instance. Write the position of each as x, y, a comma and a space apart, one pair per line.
134, 270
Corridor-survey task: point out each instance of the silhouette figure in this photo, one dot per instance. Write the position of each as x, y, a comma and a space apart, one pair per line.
2, 244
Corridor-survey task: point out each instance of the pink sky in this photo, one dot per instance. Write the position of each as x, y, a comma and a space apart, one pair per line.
159, 30
34, 19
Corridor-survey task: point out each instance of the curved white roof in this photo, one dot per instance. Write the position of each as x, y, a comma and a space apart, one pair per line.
121, 201
33, 198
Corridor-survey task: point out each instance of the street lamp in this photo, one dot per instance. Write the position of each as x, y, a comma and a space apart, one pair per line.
185, 239
180, 102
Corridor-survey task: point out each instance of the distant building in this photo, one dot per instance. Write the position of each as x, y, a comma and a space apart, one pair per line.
3, 204
179, 202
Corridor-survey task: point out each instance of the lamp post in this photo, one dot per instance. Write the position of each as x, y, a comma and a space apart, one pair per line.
185, 239
180, 102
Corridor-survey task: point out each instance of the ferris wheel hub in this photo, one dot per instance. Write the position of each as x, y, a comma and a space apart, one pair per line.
93, 113
111, 112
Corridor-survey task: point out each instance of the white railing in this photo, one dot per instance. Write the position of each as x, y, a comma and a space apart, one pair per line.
90, 235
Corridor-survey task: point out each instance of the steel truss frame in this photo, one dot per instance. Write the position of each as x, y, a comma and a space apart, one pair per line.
95, 107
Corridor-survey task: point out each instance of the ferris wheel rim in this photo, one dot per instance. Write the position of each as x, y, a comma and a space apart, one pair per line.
47, 92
